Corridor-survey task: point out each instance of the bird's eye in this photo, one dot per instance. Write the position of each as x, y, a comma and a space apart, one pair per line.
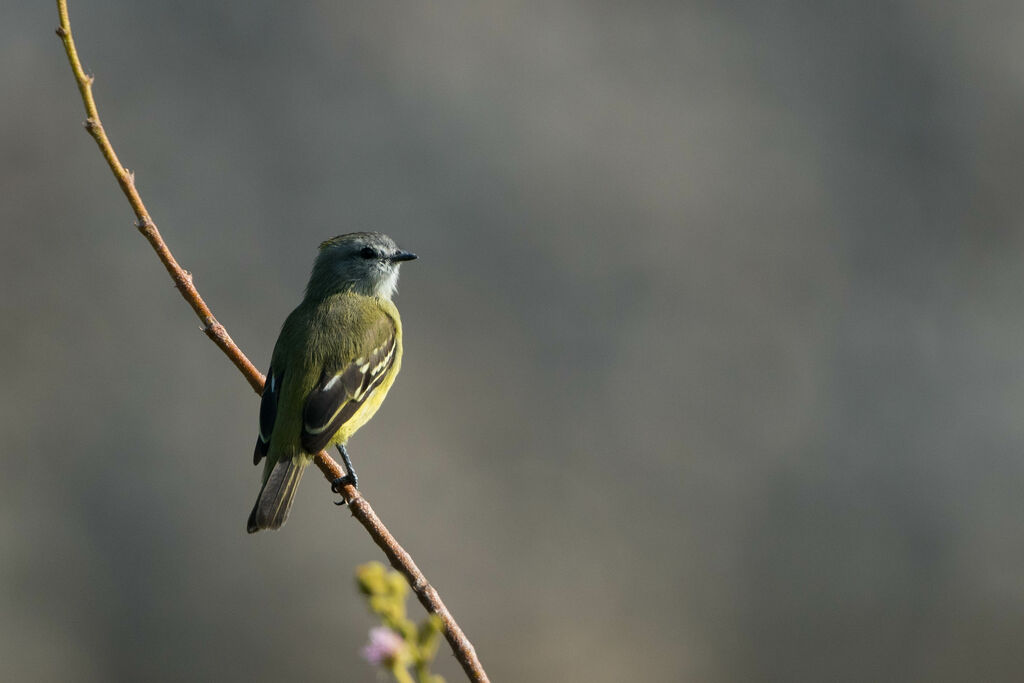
368, 252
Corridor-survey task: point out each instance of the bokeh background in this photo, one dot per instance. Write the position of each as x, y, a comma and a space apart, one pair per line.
715, 349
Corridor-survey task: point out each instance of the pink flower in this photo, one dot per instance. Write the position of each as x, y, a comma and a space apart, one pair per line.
385, 646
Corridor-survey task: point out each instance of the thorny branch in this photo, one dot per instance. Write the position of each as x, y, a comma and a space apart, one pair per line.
358, 505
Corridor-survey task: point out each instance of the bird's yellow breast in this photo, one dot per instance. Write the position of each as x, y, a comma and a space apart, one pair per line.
373, 401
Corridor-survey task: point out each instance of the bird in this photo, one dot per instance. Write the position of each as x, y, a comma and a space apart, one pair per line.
335, 359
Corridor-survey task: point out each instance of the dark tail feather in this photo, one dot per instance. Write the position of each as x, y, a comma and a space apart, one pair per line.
276, 496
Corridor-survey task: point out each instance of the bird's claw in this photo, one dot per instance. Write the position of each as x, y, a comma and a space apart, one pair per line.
338, 484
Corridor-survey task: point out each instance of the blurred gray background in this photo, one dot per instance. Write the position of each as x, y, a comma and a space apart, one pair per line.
715, 348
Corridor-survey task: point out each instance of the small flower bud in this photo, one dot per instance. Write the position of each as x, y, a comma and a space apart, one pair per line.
385, 647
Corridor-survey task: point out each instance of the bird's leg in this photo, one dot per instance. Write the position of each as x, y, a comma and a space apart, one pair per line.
349, 478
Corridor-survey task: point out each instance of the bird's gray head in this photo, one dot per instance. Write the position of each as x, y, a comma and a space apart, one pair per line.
364, 262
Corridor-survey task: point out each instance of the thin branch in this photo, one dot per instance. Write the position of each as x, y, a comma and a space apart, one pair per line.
358, 505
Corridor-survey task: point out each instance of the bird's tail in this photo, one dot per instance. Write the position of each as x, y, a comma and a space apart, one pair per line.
277, 494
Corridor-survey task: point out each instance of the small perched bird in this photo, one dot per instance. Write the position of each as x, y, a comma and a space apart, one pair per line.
336, 357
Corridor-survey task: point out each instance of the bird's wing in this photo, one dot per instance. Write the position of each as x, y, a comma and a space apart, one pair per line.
268, 413
340, 392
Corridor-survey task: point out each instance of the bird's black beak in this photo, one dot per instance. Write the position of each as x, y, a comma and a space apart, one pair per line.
403, 256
